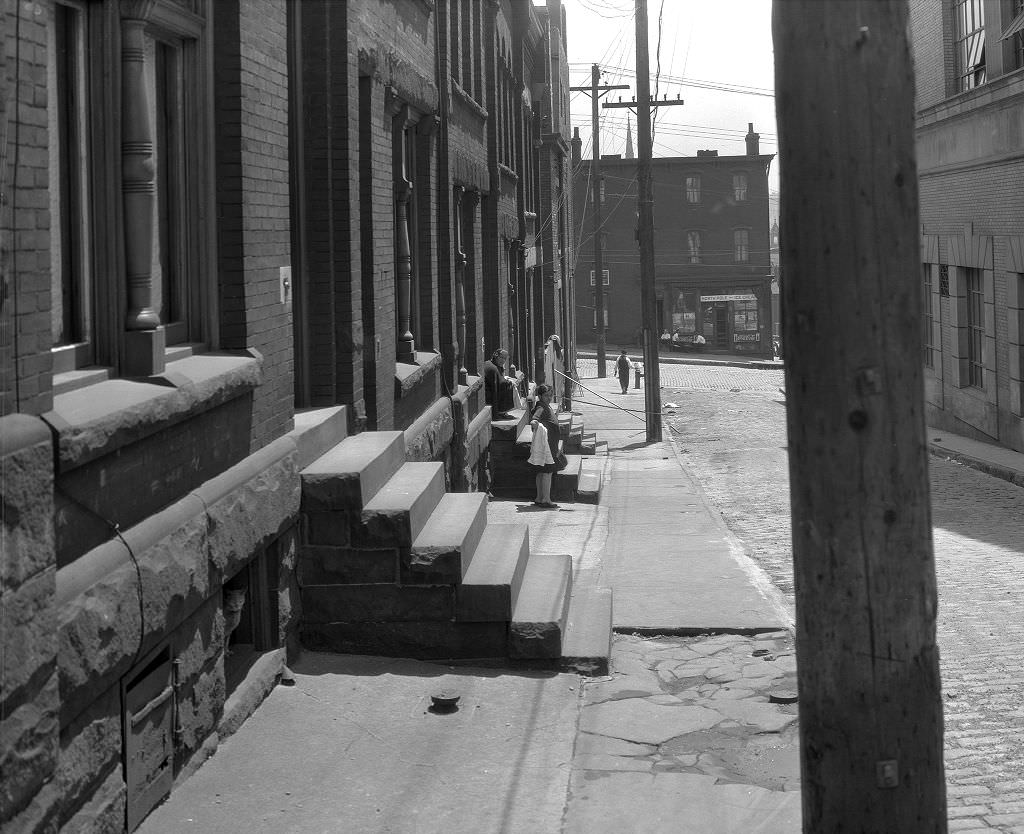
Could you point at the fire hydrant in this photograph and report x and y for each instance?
(637, 374)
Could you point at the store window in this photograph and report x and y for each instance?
(684, 312)
(693, 189)
(745, 324)
(969, 43)
(693, 246)
(741, 245)
(929, 317)
(739, 187)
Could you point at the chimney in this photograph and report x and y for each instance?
(577, 146)
(629, 139)
(752, 140)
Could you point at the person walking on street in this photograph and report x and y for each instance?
(544, 454)
(622, 366)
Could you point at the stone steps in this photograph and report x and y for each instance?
(587, 646)
(392, 564)
(541, 610)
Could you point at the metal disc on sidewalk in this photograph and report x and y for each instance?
(782, 696)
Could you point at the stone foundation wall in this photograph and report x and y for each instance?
(29, 698)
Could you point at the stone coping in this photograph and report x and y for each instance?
(96, 420)
(408, 376)
(20, 431)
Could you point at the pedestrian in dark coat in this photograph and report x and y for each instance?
(623, 366)
(497, 389)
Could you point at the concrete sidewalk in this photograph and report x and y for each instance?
(682, 735)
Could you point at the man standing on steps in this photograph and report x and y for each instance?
(498, 390)
(622, 366)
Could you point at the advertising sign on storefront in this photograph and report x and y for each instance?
(746, 337)
(736, 297)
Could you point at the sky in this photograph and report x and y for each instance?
(722, 43)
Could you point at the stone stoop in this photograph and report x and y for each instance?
(541, 611)
(513, 477)
(391, 564)
(587, 646)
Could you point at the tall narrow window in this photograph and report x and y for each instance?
(1017, 28)
(739, 187)
(164, 65)
(741, 245)
(928, 318)
(693, 189)
(975, 328)
(70, 222)
(693, 244)
(969, 43)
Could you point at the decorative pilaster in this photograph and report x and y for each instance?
(145, 338)
(460, 287)
(406, 345)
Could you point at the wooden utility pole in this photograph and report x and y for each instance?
(596, 89)
(870, 693)
(645, 216)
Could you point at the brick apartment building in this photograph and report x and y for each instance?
(711, 244)
(234, 236)
(969, 68)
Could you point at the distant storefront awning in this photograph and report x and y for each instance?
(1016, 26)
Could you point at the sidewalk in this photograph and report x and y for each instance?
(682, 358)
(681, 736)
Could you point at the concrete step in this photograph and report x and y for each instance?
(540, 612)
(317, 431)
(444, 548)
(400, 509)
(490, 588)
(565, 419)
(348, 475)
(587, 645)
(508, 430)
(591, 478)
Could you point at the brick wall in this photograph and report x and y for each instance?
(25, 330)
(932, 51)
(253, 198)
(329, 98)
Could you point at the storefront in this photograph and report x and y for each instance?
(737, 320)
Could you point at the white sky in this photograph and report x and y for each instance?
(724, 42)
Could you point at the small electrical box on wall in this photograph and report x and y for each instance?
(286, 286)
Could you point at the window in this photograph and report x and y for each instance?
(739, 187)
(969, 43)
(693, 189)
(593, 306)
(693, 245)
(741, 246)
(944, 280)
(606, 280)
(70, 231)
(1017, 28)
(929, 317)
(975, 328)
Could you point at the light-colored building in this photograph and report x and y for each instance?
(969, 68)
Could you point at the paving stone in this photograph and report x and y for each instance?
(766, 717)
(627, 686)
(641, 721)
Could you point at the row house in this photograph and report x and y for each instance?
(712, 265)
(244, 243)
(969, 68)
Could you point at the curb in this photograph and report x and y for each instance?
(758, 364)
(1014, 476)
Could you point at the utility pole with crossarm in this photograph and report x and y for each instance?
(595, 90)
(645, 217)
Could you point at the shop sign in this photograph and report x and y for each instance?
(736, 297)
(746, 337)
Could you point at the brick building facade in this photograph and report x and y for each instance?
(969, 67)
(711, 244)
(232, 233)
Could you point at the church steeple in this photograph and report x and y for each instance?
(629, 139)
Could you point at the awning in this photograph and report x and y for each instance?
(1014, 28)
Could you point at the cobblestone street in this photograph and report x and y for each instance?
(729, 424)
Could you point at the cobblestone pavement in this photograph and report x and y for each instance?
(729, 424)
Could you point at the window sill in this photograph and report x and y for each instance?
(98, 419)
(408, 376)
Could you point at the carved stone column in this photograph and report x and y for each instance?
(406, 344)
(460, 286)
(144, 341)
